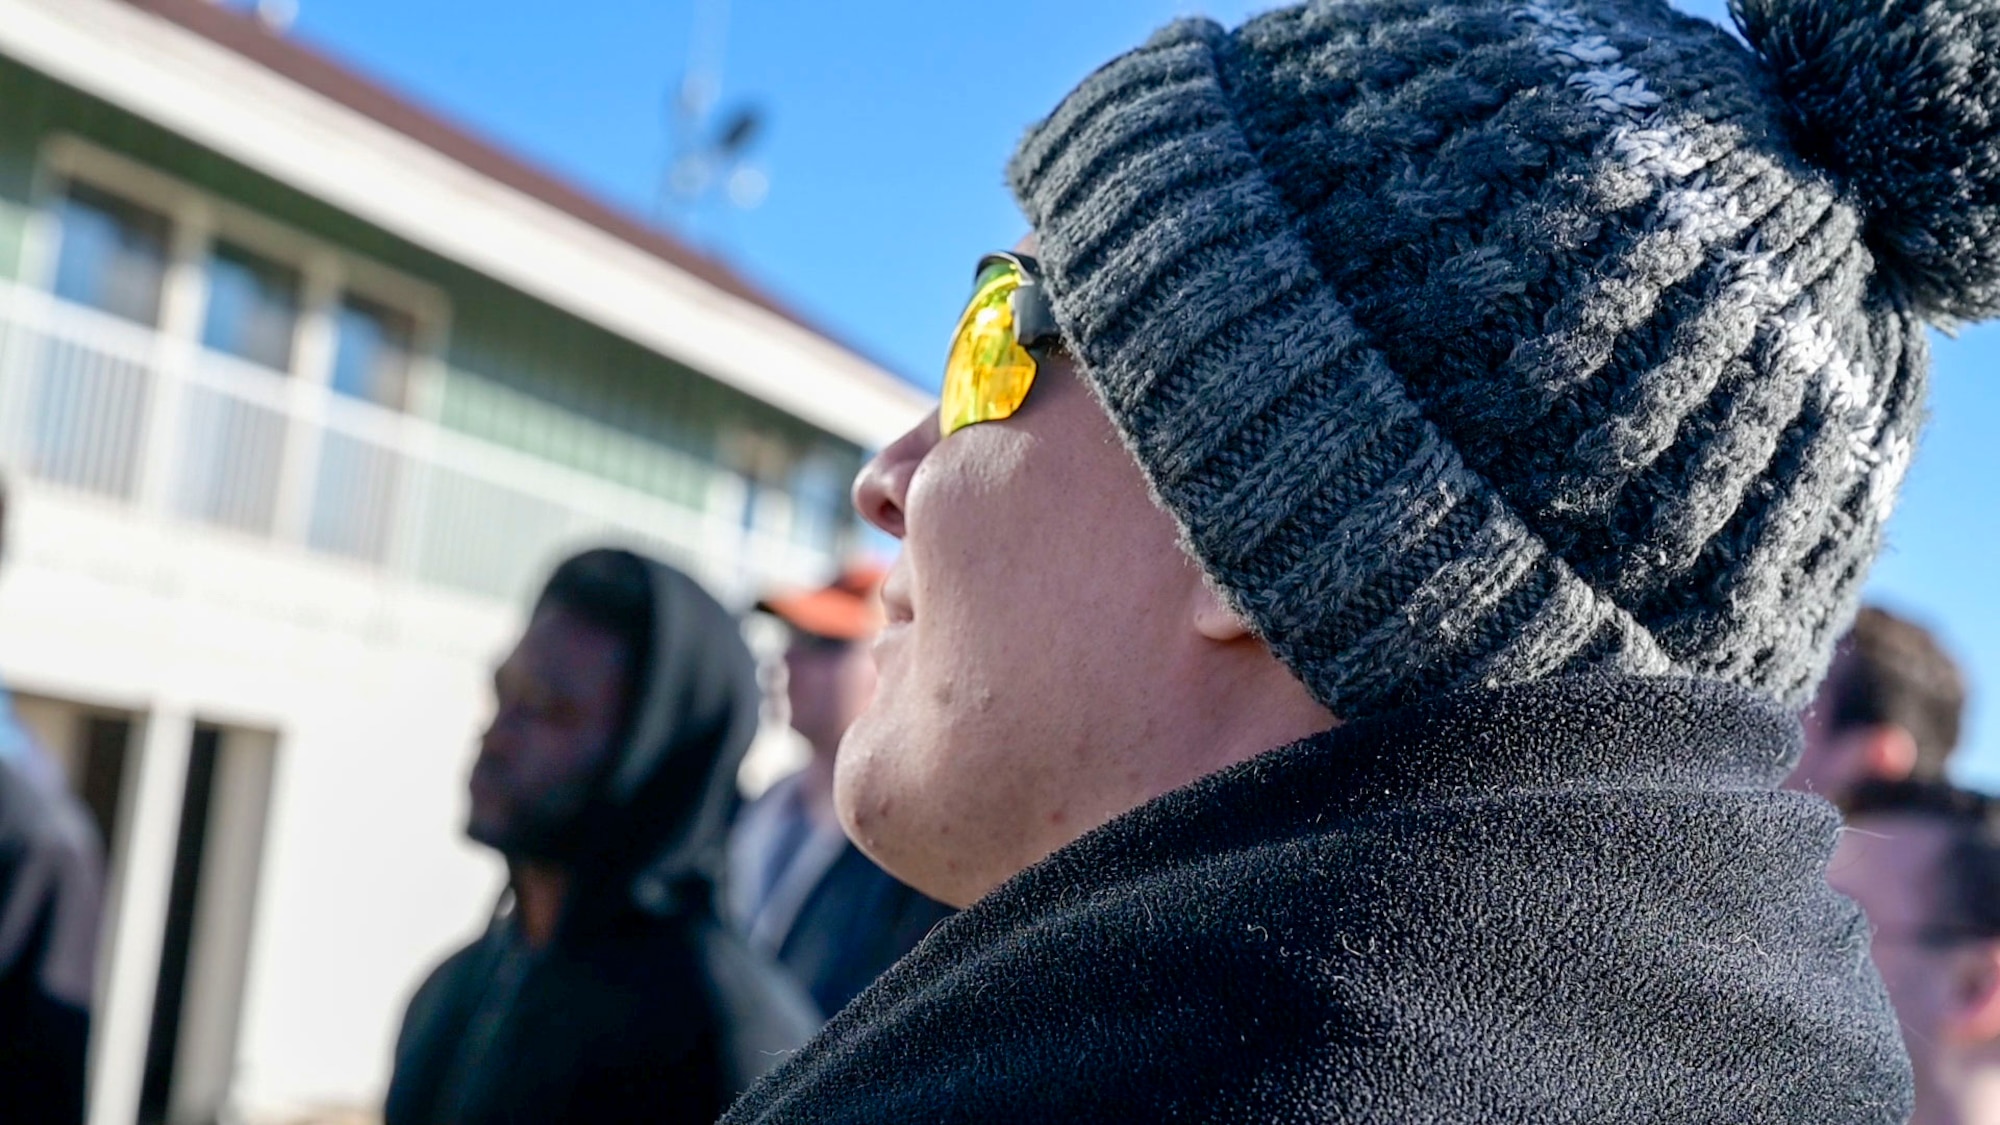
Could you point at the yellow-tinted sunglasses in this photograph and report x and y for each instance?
(1007, 325)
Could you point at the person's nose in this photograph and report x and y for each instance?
(881, 492)
(489, 744)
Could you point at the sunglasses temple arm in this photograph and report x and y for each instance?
(1034, 321)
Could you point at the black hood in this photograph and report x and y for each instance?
(656, 828)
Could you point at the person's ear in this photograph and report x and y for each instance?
(1975, 1014)
(1887, 752)
(1213, 617)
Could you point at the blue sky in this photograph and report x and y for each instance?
(889, 122)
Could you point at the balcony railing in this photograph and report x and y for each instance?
(98, 405)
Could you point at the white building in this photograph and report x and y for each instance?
(301, 391)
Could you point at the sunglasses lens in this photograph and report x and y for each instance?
(988, 373)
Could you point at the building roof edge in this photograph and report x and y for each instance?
(334, 79)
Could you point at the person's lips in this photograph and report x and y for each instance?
(897, 613)
(486, 780)
(896, 599)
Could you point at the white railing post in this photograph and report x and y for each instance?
(17, 374)
(774, 534)
(25, 305)
(182, 303)
(416, 458)
(724, 537)
(311, 379)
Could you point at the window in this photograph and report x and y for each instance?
(354, 501)
(819, 502)
(113, 254)
(253, 306)
(371, 358)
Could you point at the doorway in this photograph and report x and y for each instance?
(211, 908)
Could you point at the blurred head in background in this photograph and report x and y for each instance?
(562, 703)
(829, 674)
(1923, 860)
(1890, 709)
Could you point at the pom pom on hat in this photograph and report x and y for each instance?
(1899, 100)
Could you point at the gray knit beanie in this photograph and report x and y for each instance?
(1481, 340)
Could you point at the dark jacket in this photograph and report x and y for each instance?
(807, 896)
(643, 1007)
(858, 921)
(51, 886)
(1578, 901)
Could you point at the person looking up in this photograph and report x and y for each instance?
(1377, 535)
(605, 988)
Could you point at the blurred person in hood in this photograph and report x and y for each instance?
(801, 890)
(51, 898)
(605, 989)
(1891, 709)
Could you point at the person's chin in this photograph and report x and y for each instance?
(851, 763)
(864, 777)
(884, 811)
